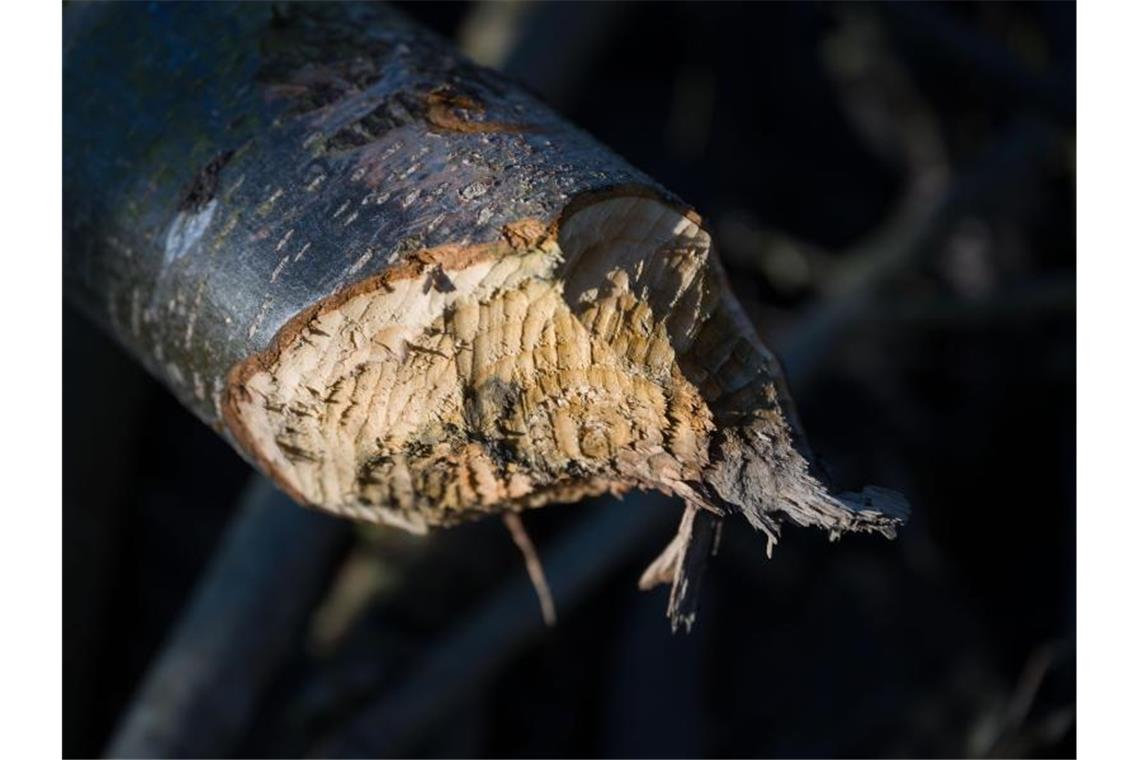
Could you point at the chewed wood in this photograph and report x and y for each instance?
(495, 381)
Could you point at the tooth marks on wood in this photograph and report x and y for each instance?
(549, 396)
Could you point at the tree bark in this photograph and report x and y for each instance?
(407, 290)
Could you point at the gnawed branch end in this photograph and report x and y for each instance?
(408, 291)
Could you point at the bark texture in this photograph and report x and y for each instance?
(407, 290)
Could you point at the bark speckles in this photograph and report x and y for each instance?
(261, 312)
(284, 241)
(277, 269)
(266, 207)
(315, 183)
(360, 262)
(192, 316)
(475, 189)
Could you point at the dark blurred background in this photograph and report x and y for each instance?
(892, 188)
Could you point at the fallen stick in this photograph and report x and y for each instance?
(252, 603)
(406, 290)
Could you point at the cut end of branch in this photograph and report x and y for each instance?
(548, 368)
(603, 354)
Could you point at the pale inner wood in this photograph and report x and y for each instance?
(538, 376)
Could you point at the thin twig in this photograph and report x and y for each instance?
(533, 566)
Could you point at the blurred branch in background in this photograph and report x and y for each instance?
(546, 46)
(251, 605)
(908, 240)
(1029, 80)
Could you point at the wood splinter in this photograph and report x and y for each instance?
(408, 291)
(533, 566)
